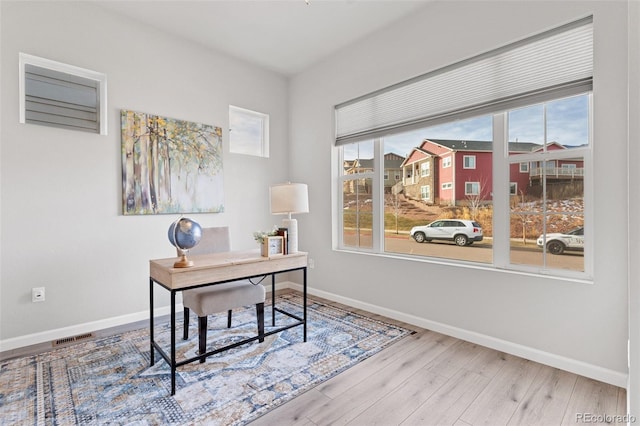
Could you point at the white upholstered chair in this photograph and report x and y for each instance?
(209, 300)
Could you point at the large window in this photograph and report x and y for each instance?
(548, 213)
(512, 172)
(357, 178)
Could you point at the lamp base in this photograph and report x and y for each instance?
(292, 233)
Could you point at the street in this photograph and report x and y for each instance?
(478, 252)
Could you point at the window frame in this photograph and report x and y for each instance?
(425, 169)
(469, 166)
(473, 184)
(427, 191)
(502, 164)
(259, 148)
(549, 157)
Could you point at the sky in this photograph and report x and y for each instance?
(567, 123)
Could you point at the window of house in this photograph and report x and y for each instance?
(248, 132)
(544, 108)
(60, 95)
(425, 169)
(469, 161)
(425, 192)
(472, 188)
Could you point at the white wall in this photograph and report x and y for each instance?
(61, 217)
(576, 326)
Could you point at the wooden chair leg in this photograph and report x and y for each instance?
(229, 319)
(202, 336)
(185, 332)
(260, 315)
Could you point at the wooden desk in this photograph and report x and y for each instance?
(218, 268)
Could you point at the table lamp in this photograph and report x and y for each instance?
(289, 198)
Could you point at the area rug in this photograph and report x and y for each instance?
(109, 380)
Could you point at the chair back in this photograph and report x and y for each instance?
(214, 240)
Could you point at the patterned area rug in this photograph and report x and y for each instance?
(110, 381)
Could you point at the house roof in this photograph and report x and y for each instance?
(393, 164)
(465, 145)
(391, 161)
(421, 152)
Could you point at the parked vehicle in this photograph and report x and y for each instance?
(460, 231)
(558, 243)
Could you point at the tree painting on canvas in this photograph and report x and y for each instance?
(170, 166)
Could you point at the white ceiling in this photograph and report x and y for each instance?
(286, 36)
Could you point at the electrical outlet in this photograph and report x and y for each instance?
(312, 263)
(37, 294)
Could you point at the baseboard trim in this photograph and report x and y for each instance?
(93, 326)
(595, 372)
(591, 371)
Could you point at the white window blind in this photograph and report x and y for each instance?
(60, 95)
(61, 100)
(549, 65)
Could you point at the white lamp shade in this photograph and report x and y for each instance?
(287, 198)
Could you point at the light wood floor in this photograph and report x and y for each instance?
(432, 379)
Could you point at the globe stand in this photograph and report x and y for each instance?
(183, 262)
(184, 234)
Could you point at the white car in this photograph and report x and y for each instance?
(557, 243)
(460, 231)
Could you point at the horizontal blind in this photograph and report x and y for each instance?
(552, 64)
(59, 99)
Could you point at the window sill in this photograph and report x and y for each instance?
(575, 277)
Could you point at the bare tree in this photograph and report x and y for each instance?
(474, 201)
(393, 202)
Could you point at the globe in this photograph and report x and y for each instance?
(184, 234)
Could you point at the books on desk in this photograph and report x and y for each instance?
(284, 232)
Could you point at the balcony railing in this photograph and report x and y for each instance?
(557, 172)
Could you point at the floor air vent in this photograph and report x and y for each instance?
(73, 339)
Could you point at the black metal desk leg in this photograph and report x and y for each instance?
(151, 350)
(304, 303)
(273, 300)
(173, 342)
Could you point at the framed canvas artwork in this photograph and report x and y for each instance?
(170, 165)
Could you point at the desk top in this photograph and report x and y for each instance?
(215, 267)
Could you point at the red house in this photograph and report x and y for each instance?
(456, 172)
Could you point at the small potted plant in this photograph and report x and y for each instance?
(261, 238)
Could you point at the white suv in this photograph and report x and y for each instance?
(557, 243)
(460, 231)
